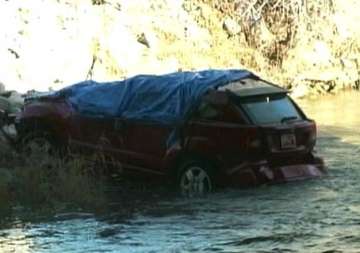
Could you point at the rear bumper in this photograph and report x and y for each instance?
(292, 173)
(252, 174)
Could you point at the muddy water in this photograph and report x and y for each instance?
(313, 216)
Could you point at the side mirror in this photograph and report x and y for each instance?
(215, 97)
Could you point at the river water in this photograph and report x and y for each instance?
(310, 216)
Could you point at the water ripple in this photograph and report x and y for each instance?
(320, 216)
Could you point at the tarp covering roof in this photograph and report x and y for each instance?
(253, 87)
(158, 98)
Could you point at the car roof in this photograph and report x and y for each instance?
(164, 99)
(253, 87)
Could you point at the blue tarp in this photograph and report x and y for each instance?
(158, 98)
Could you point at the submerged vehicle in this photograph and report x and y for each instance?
(199, 130)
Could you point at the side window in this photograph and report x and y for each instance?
(223, 113)
(207, 111)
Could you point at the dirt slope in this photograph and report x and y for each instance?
(50, 44)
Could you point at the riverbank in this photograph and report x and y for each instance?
(311, 47)
(47, 183)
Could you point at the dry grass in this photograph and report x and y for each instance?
(57, 182)
(291, 42)
(46, 182)
(311, 42)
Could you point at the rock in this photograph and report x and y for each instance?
(141, 38)
(16, 102)
(231, 27)
(12, 102)
(98, 2)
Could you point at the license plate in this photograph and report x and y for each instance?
(288, 141)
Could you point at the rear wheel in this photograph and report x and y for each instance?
(195, 179)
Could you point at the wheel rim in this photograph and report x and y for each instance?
(195, 181)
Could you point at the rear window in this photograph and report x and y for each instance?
(270, 109)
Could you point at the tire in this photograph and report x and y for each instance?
(38, 143)
(195, 179)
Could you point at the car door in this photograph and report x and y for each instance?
(145, 146)
(95, 136)
(219, 132)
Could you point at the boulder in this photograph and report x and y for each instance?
(141, 38)
(11, 102)
(231, 27)
(16, 102)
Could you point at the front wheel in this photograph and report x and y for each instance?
(195, 179)
(37, 143)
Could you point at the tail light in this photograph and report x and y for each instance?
(312, 134)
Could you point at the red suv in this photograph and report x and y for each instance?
(198, 129)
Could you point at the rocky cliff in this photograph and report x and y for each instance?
(308, 46)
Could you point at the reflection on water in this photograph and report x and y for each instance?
(313, 216)
(337, 111)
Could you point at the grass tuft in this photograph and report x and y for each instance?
(47, 182)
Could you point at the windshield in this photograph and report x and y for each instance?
(270, 109)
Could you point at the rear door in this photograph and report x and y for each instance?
(145, 144)
(220, 131)
(95, 137)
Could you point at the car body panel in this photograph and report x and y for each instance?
(217, 130)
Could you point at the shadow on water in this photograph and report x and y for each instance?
(310, 216)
